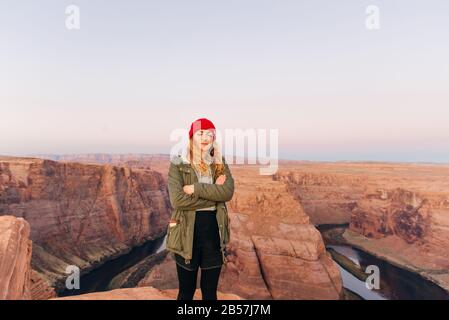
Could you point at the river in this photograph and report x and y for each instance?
(99, 278)
(395, 283)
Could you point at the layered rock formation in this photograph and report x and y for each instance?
(270, 231)
(274, 245)
(82, 214)
(274, 253)
(399, 212)
(40, 288)
(15, 257)
(157, 162)
(279, 260)
(18, 281)
(327, 192)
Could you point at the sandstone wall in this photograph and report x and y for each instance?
(15, 257)
(274, 253)
(397, 211)
(82, 214)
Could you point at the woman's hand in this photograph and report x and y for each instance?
(221, 179)
(188, 189)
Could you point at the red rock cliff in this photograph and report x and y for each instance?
(397, 211)
(274, 253)
(82, 214)
(15, 257)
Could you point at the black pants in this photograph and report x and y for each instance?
(206, 255)
(206, 243)
(187, 283)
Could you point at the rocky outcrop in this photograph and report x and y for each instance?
(270, 230)
(274, 253)
(377, 199)
(157, 162)
(82, 214)
(18, 281)
(148, 273)
(273, 245)
(290, 263)
(40, 289)
(15, 257)
(280, 261)
(327, 197)
(408, 228)
(397, 211)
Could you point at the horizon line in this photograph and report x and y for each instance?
(46, 155)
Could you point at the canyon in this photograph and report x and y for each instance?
(398, 212)
(16, 281)
(274, 252)
(87, 209)
(81, 214)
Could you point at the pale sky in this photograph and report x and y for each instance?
(137, 70)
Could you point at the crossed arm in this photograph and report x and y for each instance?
(216, 192)
(204, 195)
(178, 198)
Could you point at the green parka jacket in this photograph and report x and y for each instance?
(180, 237)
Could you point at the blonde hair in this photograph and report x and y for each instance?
(214, 158)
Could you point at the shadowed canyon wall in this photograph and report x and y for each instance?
(82, 214)
(274, 252)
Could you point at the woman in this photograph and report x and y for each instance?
(199, 184)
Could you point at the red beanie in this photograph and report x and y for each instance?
(200, 124)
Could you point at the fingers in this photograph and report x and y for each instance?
(221, 179)
(188, 189)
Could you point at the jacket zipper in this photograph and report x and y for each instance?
(187, 261)
(187, 172)
(221, 246)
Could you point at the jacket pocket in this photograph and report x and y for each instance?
(174, 236)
